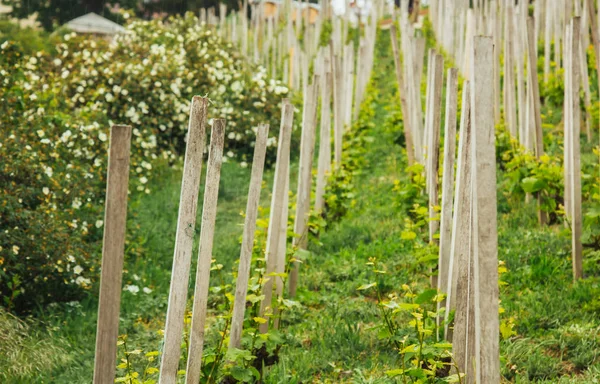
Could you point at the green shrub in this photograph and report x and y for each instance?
(56, 110)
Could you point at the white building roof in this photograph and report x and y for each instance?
(93, 23)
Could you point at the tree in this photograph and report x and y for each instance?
(52, 13)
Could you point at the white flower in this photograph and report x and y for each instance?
(236, 86)
(71, 258)
(102, 136)
(219, 64)
(109, 97)
(33, 96)
(82, 281)
(136, 277)
(99, 223)
(243, 164)
(77, 270)
(65, 136)
(65, 74)
(147, 290)
(175, 89)
(76, 203)
(132, 288)
(45, 190)
(143, 180)
(15, 249)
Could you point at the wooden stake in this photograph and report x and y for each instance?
(485, 235)
(324, 165)
(448, 182)
(460, 267)
(307, 147)
(113, 249)
(184, 240)
(207, 231)
(241, 285)
(402, 92)
(575, 151)
(277, 206)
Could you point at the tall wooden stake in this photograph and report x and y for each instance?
(184, 240)
(448, 181)
(113, 248)
(241, 285)
(277, 206)
(485, 234)
(207, 231)
(307, 147)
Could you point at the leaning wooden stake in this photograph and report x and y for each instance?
(277, 207)
(485, 234)
(113, 248)
(241, 285)
(184, 240)
(461, 284)
(448, 181)
(307, 147)
(434, 116)
(207, 231)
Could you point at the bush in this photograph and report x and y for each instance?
(58, 109)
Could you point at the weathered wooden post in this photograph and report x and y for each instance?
(184, 240)
(113, 249)
(307, 147)
(461, 284)
(324, 165)
(484, 228)
(207, 231)
(277, 207)
(241, 285)
(572, 142)
(402, 92)
(434, 115)
(448, 181)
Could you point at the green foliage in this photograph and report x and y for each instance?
(28, 40)
(526, 174)
(60, 107)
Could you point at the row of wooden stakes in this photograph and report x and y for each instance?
(340, 90)
(468, 262)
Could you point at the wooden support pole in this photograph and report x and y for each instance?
(402, 92)
(484, 228)
(307, 147)
(207, 231)
(338, 102)
(324, 165)
(448, 181)
(574, 115)
(184, 240)
(241, 285)
(277, 207)
(113, 249)
(510, 109)
(434, 116)
(461, 284)
(535, 88)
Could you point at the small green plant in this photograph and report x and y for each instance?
(410, 322)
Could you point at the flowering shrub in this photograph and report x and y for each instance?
(55, 113)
